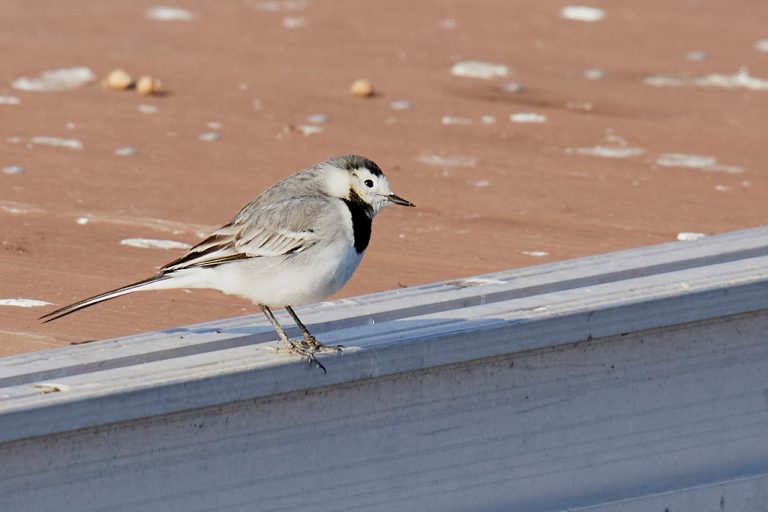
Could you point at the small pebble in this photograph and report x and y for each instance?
(209, 136)
(126, 151)
(148, 86)
(362, 88)
(401, 105)
(119, 80)
(13, 169)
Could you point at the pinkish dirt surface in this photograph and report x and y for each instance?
(616, 162)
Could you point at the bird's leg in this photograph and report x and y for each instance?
(308, 338)
(302, 349)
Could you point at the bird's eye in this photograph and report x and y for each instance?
(368, 183)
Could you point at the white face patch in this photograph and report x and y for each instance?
(337, 182)
(374, 195)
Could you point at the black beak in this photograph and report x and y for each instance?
(399, 200)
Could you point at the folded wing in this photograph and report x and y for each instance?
(283, 228)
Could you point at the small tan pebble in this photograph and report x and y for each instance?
(148, 86)
(119, 79)
(362, 88)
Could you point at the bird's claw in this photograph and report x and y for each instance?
(308, 348)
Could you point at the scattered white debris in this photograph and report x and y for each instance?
(309, 129)
(70, 126)
(583, 106)
(24, 303)
(209, 136)
(607, 151)
(9, 100)
(448, 23)
(163, 13)
(528, 117)
(582, 13)
(455, 120)
(318, 118)
(722, 188)
(17, 208)
(705, 163)
(742, 80)
(126, 151)
(481, 183)
(513, 87)
(488, 119)
(64, 79)
(536, 254)
(82, 220)
(57, 142)
(401, 105)
(149, 243)
(478, 69)
(687, 236)
(762, 45)
(294, 22)
(214, 125)
(696, 56)
(447, 161)
(475, 281)
(594, 74)
(146, 108)
(12, 169)
(664, 81)
(285, 5)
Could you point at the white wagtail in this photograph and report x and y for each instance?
(296, 243)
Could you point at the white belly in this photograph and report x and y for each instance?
(277, 281)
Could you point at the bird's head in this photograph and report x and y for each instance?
(358, 179)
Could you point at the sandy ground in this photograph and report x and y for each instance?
(616, 163)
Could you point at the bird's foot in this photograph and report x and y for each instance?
(307, 348)
(311, 341)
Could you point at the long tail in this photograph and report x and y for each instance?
(53, 315)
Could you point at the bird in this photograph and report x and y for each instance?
(296, 243)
